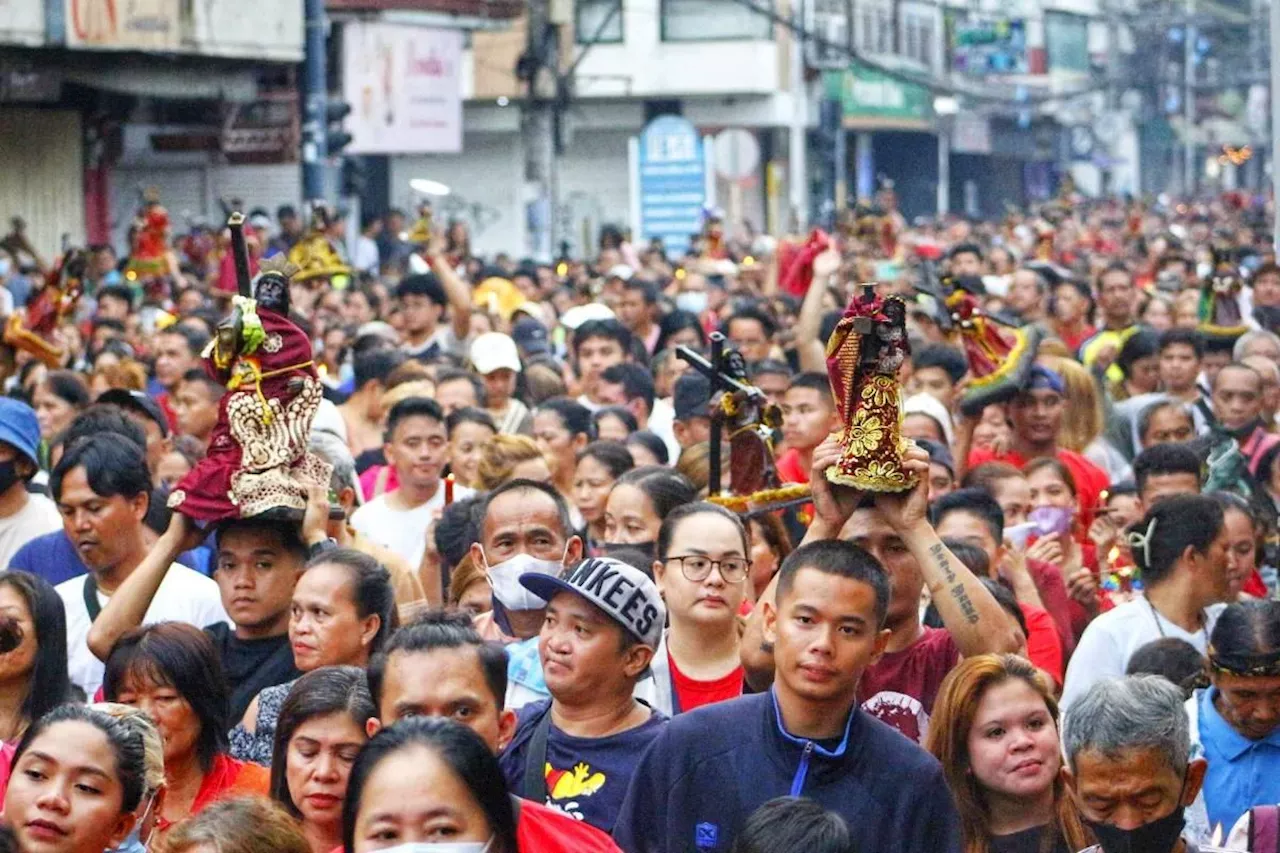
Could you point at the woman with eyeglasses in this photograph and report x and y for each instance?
(702, 570)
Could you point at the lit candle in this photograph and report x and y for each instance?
(448, 490)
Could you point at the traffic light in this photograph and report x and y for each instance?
(336, 138)
(355, 177)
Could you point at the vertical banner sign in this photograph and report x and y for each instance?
(672, 183)
(404, 85)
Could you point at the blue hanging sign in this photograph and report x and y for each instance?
(672, 183)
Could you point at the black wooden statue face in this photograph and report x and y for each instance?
(272, 293)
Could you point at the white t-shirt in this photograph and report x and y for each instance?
(1111, 639)
(183, 596)
(402, 531)
(662, 424)
(38, 517)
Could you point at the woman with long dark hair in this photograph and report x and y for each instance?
(78, 776)
(321, 728)
(33, 674)
(995, 730)
(172, 671)
(599, 467)
(342, 613)
(427, 765)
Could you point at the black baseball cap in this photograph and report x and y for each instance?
(136, 401)
(530, 336)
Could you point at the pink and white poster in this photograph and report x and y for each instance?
(404, 85)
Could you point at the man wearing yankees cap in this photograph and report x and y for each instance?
(576, 751)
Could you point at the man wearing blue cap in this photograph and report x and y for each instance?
(23, 516)
(577, 750)
(1036, 414)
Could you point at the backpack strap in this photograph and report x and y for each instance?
(534, 784)
(1264, 829)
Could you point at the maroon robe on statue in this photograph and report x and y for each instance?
(257, 458)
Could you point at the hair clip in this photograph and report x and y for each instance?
(1143, 541)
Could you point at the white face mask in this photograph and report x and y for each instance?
(505, 580)
(693, 301)
(441, 847)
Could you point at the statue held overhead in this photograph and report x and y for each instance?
(864, 353)
(258, 462)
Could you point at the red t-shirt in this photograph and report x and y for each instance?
(542, 829)
(1044, 647)
(1090, 479)
(789, 468)
(691, 693)
(1057, 603)
(899, 689)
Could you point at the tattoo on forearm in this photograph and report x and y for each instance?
(966, 604)
(939, 554)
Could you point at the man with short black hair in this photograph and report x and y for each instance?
(636, 310)
(808, 416)
(690, 400)
(630, 386)
(1029, 295)
(362, 412)
(576, 750)
(1181, 355)
(417, 448)
(438, 666)
(935, 370)
(177, 350)
(708, 770)
(423, 299)
(458, 389)
(115, 302)
(1237, 404)
(146, 413)
(597, 346)
(750, 331)
(103, 490)
(965, 260)
(196, 405)
(1167, 469)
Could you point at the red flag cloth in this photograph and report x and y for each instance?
(795, 262)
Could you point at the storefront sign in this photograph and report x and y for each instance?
(404, 85)
(868, 97)
(123, 24)
(672, 182)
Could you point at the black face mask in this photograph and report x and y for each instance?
(8, 474)
(1158, 836)
(648, 549)
(1268, 316)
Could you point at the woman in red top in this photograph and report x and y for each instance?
(171, 671)
(702, 568)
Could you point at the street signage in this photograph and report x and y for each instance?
(671, 182)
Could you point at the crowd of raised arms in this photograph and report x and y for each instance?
(518, 621)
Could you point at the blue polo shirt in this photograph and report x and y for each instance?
(54, 558)
(1242, 773)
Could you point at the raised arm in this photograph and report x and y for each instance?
(975, 619)
(808, 329)
(128, 605)
(455, 289)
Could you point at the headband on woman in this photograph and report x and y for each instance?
(1248, 663)
(1142, 541)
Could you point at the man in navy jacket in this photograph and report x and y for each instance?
(701, 778)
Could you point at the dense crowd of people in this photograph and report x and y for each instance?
(521, 617)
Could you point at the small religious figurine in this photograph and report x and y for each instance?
(864, 353)
(54, 302)
(318, 255)
(714, 246)
(258, 463)
(1000, 356)
(1221, 315)
(149, 244)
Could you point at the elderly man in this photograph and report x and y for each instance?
(1128, 745)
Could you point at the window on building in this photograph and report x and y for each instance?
(1067, 41)
(602, 17)
(926, 41)
(714, 20)
(884, 32)
(911, 47)
(868, 31)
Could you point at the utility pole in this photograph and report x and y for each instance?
(1189, 101)
(539, 68)
(798, 175)
(1275, 115)
(315, 105)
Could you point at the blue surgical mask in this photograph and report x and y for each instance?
(693, 301)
